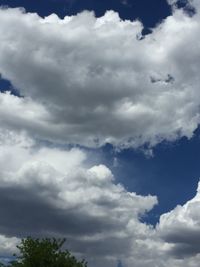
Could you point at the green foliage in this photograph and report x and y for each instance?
(45, 253)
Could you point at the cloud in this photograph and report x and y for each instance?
(125, 3)
(46, 191)
(188, 6)
(86, 80)
(7, 245)
(91, 81)
(51, 191)
(181, 227)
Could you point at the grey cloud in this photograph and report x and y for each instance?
(184, 250)
(24, 212)
(186, 242)
(181, 228)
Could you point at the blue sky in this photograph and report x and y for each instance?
(87, 99)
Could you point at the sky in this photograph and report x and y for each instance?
(99, 129)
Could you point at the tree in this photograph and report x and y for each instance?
(44, 253)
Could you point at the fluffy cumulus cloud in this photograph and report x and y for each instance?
(52, 192)
(86, 80)
(90, 80)
(181, 227)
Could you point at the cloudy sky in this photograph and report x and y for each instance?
(99, 128)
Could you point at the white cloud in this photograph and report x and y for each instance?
(89, 80)
(51, 192)
(48, 191)
(8, 245)
(42, 194)
(181, 228)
